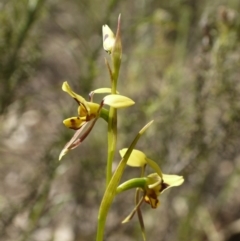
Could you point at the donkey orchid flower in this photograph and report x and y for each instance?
(151, 186)
(88, 113)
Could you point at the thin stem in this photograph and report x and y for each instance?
(112, 122)
(112, 128)
(112, 141)
(139, 214)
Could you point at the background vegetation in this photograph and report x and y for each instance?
(181, 64)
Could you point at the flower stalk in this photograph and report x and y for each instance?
(147, 187)
(116, 55)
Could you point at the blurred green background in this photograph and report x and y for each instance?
(181, 65)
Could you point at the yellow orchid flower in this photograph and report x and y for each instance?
(151, 186)
(88, 113)
(157, 182)
(156, 186)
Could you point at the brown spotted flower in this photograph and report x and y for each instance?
(148, 188)
(88, 113)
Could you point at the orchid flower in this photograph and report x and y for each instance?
(88, 113)
(150, 186)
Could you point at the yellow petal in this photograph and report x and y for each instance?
(154, 202)
(136, 159)
(82, 111)
(78, 98)
(151, 197)
(154, 180)
(154, 166)
(118, 101)
(103, 91)
(74, 122)
(93, 108)
(172, 180)
(106, 31)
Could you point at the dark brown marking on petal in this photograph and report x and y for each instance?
(105, 37)
(163, 186)
(85, 108)
(77, 101)
(90, 117)
(152, 195)
(152, 201)
(74, 128)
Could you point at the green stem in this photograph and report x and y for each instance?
(112, 141)
(112, 123)
(112, 129)
(104, 114)
(112, 180)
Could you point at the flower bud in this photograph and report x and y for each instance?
(108, 38)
